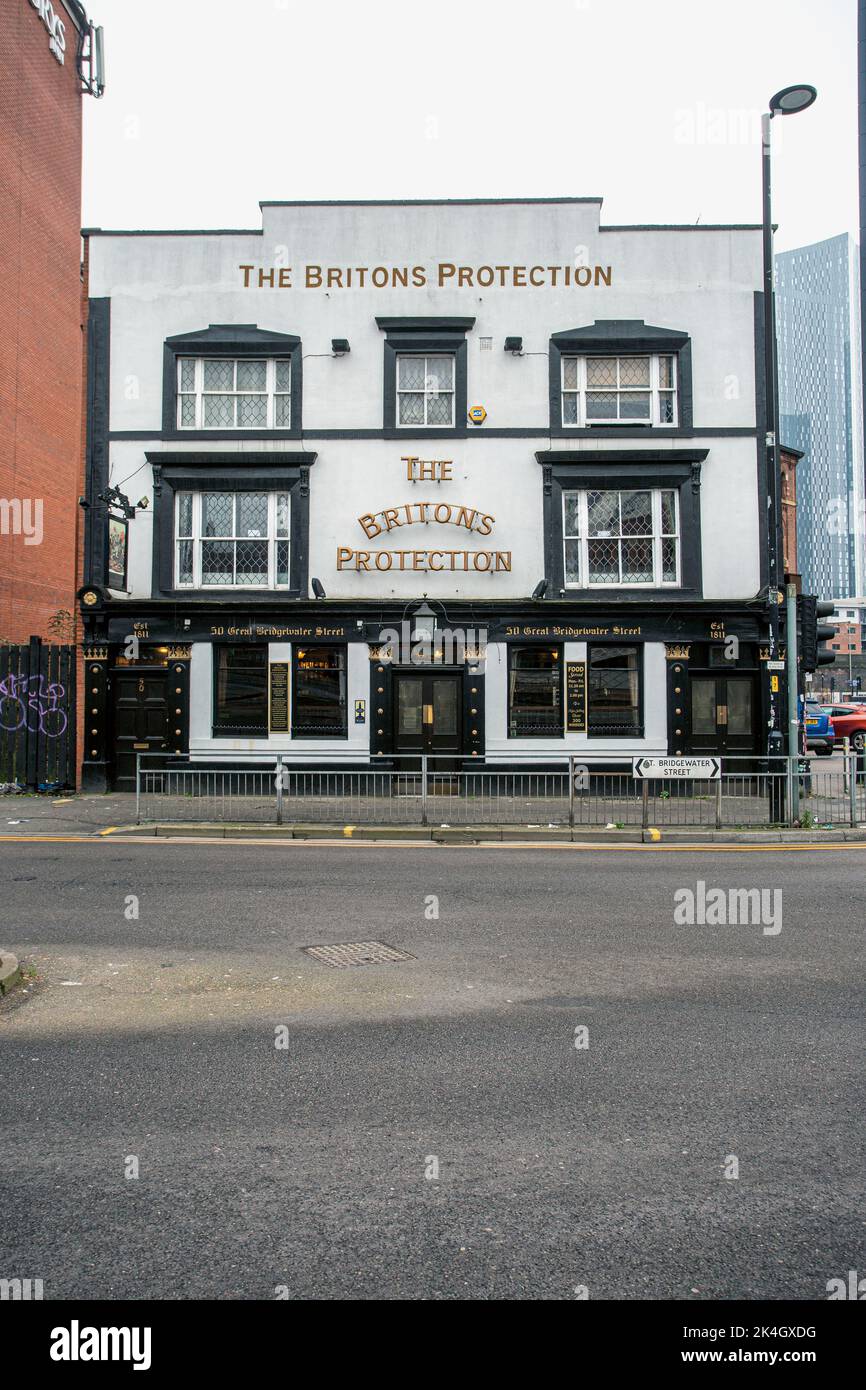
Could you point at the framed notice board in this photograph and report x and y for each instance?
(575, 697)
(278, 697)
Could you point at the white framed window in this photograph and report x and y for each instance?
(619, 539)
(628, 390)
(425, 390)
(228, 540)
(226, 393)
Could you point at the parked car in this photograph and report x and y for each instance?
(820, 730)
(849, 721)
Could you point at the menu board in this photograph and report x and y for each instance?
(575, 697)
(278, 697)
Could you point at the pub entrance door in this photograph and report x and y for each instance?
(427, 714)
(140, 720)
(725, 715)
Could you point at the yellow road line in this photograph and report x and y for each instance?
(584, 847)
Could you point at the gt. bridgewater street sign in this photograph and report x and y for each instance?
(707, 769)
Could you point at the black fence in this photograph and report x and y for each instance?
(37, 715)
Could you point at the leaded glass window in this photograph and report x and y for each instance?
(425, 391)
(621, 538)
(232, 540)
(632, 390)
(223, 393)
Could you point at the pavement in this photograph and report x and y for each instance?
(29, 816)
(203, 1110)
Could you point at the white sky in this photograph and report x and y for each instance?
(653, 104)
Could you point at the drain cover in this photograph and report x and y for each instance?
(357, 953)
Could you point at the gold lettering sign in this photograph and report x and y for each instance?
(424, 561)
(413, 513)
(443, 275)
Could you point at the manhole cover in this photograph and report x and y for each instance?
(357, 953)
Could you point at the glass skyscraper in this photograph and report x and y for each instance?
(818, 318)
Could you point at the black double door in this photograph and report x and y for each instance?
(428, 716)
(725, 714)
(141, 720)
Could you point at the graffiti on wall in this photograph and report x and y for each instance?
(29, 702)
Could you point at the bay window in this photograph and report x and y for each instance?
(620, 538)
(232, 540)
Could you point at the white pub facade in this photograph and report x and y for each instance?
(481, 479)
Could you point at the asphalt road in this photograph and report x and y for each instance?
(310, 1167)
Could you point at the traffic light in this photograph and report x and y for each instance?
(812, 634)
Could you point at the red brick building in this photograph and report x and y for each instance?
(847, 639)
(49, 57)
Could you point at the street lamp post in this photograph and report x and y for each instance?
(787, 102)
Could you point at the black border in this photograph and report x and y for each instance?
(230, 340)
(609, 468)
(233, 472)
(621, 336)
(98, 399)
(443, 335)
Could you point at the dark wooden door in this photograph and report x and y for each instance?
(427, 711)
(724, 715)
(140, 721)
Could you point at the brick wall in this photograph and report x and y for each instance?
(40, 312)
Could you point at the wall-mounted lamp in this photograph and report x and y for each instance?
(514, 345)
(143, 504)
(340, 346)
(319, 589)
(540, 589)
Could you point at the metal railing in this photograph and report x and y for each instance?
(749, 793)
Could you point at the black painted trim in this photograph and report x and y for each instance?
(97, 437)
(425, 325)
(422, 335)
(763, 475)
(680, 469)
(621, 336)
(230, 340)
(238, 473)
(521, 432)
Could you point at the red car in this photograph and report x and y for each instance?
(849, 721)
